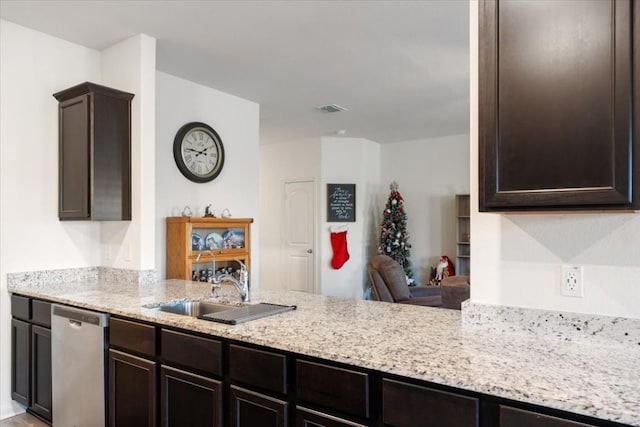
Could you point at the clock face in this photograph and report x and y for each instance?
(198, 152)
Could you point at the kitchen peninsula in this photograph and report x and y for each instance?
(395, 353)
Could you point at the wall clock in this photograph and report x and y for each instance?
(198, 152)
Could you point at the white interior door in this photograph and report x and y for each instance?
(299, 236)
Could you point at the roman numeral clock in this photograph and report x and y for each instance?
(198, 152)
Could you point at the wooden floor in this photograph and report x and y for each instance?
(22, 420)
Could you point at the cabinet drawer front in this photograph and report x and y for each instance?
(335, 388)
(41, 312)
(20, 307)
(132, 336)
(194, 353)
(258, 368)
(410, 405)
(512, 417)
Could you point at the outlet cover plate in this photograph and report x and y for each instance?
(572, 281)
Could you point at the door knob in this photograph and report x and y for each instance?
(309, 251)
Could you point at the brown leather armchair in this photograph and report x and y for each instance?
(389, 284)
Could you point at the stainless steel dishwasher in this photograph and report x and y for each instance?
(78, 366)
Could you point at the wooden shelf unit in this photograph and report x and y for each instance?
(182, 255)
(463, 235)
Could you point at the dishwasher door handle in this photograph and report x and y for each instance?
(75, 324)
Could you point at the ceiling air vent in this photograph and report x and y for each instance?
(331, 108)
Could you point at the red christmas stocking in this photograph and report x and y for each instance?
(340, 252)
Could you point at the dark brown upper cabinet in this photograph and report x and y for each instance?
(557, 94)
(94, 153)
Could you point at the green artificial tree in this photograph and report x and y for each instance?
(394, 238)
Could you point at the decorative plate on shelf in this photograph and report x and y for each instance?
(234, 239)
(197, 244)
(213, 241)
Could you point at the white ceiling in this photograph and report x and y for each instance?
(400, 67)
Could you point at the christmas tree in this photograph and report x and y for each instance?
(394, 238)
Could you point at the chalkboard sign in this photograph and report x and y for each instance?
(341, 203)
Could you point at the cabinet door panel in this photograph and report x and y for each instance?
(189, 400)
(41, 371)
(308, 418)
(556, 121)
(251, 409)
(512, 417)
(132, 391)
(74, 158)
(406, 405)
(20, 357)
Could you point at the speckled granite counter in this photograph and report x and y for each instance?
(424, 343)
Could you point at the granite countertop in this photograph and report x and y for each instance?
(424, 343)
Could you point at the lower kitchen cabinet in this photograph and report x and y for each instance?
(41, 398)
(132, 390)
(31, 355)
(513, 417)
(189, 400)
(308, 418)
(20, 357)
(175, 378)
(250, 409)
(408, 405)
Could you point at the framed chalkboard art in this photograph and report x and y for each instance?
(341, 203)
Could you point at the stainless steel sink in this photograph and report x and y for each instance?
(223, 313)
(194, 308)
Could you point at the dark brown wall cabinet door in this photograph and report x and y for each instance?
(189, 400)
(132, 391)
(249, 409)
(20, 361)
(94, 153)
(511, 417)
(406, 405)
(41, 371)
(557, 129)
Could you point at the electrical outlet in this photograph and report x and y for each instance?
(572, 281)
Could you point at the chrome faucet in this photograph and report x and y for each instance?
(241, 284)
(214, 280)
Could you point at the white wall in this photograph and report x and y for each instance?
(516, 258)
(430, 173)
(32, 67)
(131, 66)
(236, 120)
(349, 161)
(287, 161)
